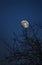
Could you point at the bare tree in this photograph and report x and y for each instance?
(29, 56)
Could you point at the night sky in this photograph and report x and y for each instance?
(13, 11)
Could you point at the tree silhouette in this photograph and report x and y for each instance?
(31, 50)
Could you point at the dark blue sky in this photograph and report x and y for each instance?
(13, 11)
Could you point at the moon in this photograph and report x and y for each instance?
(24, 23)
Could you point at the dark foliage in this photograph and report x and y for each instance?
(29, 56)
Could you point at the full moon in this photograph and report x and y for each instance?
(24, 23)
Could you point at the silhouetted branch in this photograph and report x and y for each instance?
(7, 45)
(19, 41)
(37, 43)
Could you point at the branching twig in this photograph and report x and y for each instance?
(7, 45)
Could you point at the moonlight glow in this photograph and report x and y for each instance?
(24, 23)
